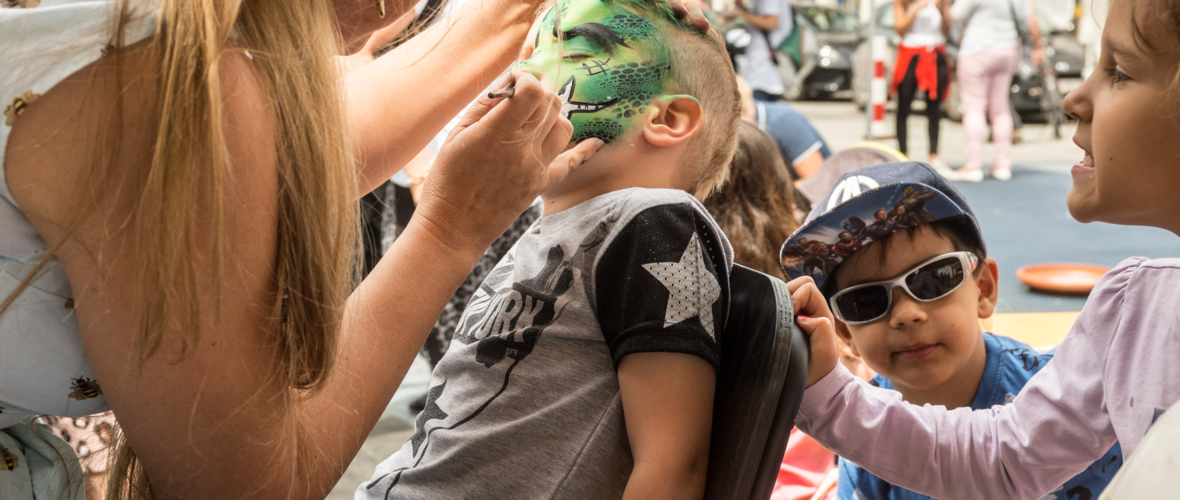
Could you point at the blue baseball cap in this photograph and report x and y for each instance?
(869, 204)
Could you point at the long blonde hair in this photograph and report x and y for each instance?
(291, 45)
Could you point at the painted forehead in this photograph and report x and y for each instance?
(603, 25)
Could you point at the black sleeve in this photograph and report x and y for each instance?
(663, 286)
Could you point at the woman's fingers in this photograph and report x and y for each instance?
(559, 133)
(544, 120)
(566, 162)
(690, 11)
(511, 114)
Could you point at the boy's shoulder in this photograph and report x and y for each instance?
(650, 216)
(1010, 364)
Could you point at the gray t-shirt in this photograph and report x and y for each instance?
(756, 65)
(525, 403)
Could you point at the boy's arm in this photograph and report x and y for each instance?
(668, 405)
(661, 295)
(1057, 426)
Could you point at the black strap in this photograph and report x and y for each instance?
(770, 46)
(1025, 37)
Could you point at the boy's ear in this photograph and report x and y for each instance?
(988, 280)
(846, 335)
(676, 119)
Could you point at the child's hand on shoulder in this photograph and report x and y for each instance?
(814, 317)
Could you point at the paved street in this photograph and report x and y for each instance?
(1024, 220)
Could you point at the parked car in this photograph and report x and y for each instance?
(1062, 48)
(824, 65)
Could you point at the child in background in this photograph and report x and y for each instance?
(755, 207)
(1115, 373)
(908, 301)
(612, 303)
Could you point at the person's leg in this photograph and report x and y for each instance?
(905, 96)
(973, 87)
(934, 108)
(999, 112)
(760, 95)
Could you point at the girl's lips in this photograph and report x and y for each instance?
(1086, 166)
(918, 352)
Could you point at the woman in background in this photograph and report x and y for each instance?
(921, 65)
(992, 33)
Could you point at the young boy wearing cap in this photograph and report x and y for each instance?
(907, 291)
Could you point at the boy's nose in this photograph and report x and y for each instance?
(905, 311)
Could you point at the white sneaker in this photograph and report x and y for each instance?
(941, 167)
(1002, 174)
(969, 175)
(965, 175)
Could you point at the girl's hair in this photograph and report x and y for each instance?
(755, 206)
(291, 45)
(1166, 12)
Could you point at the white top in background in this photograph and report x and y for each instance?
(926, 31)
(987, 24)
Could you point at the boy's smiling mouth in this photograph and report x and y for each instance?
(917, 351)
(569, 106)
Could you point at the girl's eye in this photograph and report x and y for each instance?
(1116, 76)
(576, 57)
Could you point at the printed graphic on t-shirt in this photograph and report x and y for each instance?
(525, 403)
(504, 326)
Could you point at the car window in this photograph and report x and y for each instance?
(831, 20)
(885, 16)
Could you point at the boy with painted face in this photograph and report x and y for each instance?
(612, 303)
(908, 303)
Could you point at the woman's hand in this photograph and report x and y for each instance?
(813, 316)
(500, 157)
(691, 11)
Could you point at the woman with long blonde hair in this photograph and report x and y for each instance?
(178, 236)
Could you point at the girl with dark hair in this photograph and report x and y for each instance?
(756, 206)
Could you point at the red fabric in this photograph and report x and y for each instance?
(926, 71)
(805, 464)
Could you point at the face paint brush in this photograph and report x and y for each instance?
(505, 92)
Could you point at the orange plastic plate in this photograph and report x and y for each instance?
(1063, 278)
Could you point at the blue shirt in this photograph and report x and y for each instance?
(1008, 367)
(792, 133)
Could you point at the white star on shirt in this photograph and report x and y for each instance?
(692, 289)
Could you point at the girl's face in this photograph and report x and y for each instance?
(603, 63)
(1130, 173)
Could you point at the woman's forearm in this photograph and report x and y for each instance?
(385, 323)
(398, 103)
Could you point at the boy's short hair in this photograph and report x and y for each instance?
(701, 67)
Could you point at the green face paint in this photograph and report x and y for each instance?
(605, 63)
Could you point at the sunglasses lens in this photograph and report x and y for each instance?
(863, 304)
(935, 279)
